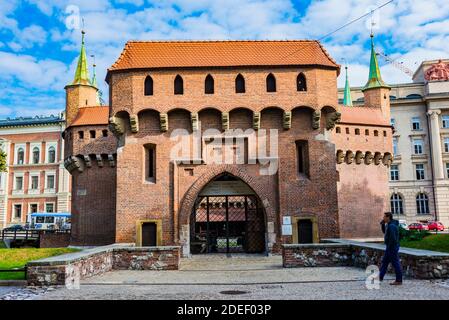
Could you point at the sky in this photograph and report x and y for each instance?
(40, 40)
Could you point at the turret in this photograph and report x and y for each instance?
(376, 92)
(81, 92)
(347, 101)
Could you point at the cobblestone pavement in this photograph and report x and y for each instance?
(256, 277)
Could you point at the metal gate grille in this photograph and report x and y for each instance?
(227, 224)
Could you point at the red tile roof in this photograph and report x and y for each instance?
(98, 115)
(363, 115)
(188, 54)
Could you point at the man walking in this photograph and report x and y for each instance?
(390, 228)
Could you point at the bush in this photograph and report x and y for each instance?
(412, 235)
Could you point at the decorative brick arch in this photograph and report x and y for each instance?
(191, 195)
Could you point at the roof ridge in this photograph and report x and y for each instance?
(219, 40)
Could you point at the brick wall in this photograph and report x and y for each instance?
(54, 240)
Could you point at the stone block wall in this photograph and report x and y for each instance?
(146, 259)
(68, 269)
(419, 264)
(316, 255)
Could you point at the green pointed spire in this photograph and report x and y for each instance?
(82, 70)
(347, 101)
(375, 79)
(94, 78)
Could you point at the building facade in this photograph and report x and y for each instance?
(419, 175)
(35, 180)
(208, 145)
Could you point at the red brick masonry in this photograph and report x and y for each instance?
(64, 269)
(54, 240)
(420, 264)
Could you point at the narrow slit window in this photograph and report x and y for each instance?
(240, 84)
(148, 86)
(209, 85)
(302, 157)
(150, 167)
(179, 85)
(271, 83)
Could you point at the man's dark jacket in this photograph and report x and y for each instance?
(391, 231)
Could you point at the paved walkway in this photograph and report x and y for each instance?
(248, 277)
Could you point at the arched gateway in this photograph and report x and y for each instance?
(227, 217)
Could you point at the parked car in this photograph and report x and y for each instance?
(435, 226)
(418, 226)
(403, 224)
(15, 227)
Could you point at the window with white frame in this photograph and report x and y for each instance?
(418, 146)
(394, 172)
(419, 168)
(34, 183)
(36, 155)
(20, 155)
(446, 144)
(395, 146)
(422, 203)
(51, 154)
(447, 170)
(49, 207)
(445, 120)
(33, 207)
(416, 123)
(18, 183)
(397, 204)
(17, 211)
(50, 151)
(50, 183)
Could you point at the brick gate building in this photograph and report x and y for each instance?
(225, 146)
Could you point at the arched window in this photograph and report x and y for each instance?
(20, 156)
(239, 84)
(51, 154)
(209, 85)
(148, 86)
(271, 83)
(397, 206)
(35, 155)
(179, 85)
(301, 84)
(422, 203)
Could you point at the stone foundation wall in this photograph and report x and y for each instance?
(419, 264)
(69, 268)
(315, 255)
(146, 259)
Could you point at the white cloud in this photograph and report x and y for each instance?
(408, 30)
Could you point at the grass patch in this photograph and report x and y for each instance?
(18, 258)
(434, 242)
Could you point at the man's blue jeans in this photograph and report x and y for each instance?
(391, 256)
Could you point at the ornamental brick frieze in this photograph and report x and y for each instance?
(117, 125)
(332, 119)
(80, 163)
(256, 120)
(366, 158)
(134, 123)
(316, 118)
(287, 120)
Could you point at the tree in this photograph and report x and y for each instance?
(2, 161)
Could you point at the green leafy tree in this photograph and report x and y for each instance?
(2, 161)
